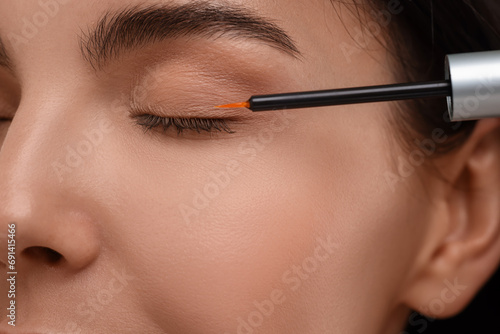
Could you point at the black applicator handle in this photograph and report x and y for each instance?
(350, 95)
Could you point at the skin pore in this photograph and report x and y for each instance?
(287, 225)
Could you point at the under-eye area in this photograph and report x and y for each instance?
(131, 201)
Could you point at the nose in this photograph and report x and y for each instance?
(45, 238)
(53, 219)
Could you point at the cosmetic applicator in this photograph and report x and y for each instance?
(471, 86)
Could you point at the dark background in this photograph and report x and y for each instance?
(481, 316)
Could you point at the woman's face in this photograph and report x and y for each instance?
(287, 225)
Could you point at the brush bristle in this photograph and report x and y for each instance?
(235, 105)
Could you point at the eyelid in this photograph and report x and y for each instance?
(149, 119)
(192, 109)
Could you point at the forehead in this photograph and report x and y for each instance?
(32, 31)
(32, 19)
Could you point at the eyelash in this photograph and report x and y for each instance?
(181, 124)
(150, 122)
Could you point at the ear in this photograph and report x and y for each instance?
(461, 248)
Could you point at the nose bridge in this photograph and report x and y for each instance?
(34, 144)
(39, 191)
(30, 144)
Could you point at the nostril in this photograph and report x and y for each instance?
(44, 254)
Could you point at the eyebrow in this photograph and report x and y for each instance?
(131, 28)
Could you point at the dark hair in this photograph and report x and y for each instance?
(435, 29)
(420, 34)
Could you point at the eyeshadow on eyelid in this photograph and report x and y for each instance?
(236, 117)
(206, 111)
(217, 74)
(195, 94)
(180, 103)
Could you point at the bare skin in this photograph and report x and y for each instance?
(287, 225)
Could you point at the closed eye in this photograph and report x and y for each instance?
(150, 121)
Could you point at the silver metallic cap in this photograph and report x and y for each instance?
(475, 83)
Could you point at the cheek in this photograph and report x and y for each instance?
(307, 214)
(378, 230)
(210, 232)
(216, 230)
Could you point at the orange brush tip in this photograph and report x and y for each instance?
(235, 105)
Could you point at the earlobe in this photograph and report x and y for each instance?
(462, 248)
